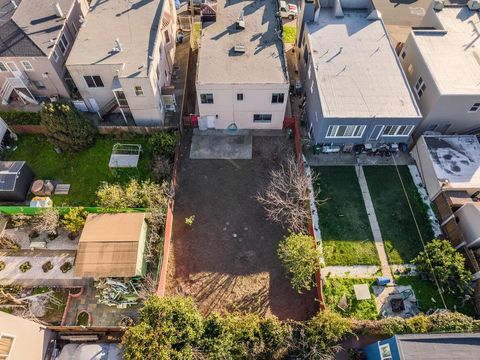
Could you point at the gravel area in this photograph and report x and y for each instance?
(35, 276)
(62, 242)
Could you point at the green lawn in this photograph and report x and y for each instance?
(399, 232)
(346, 234)
(335, 288)
(289, 34)
(429, 298)
(84, 171)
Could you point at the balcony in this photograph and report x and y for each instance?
(18, 84)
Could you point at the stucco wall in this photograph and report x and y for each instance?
(257, 99)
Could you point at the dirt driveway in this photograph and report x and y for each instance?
(227, 260)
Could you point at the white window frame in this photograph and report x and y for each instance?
(28, 67)
(9, 67)
(420, 87)
(63, 39)
(138, 90)
(55, 55)
(475, 107)
(386, 357)
(356, 131)
(5, 68)
(396, 130)
(13, 337)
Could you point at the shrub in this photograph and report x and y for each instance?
(25, 266)
(47, 266)
(7, 243)
(2, 265)
(33, 234)
(135, 194)
(417, 324)
(66, 127)
(74, 220)
(164, 143)
(14, 117)
(446, 321)
(66, 267)
(161, 168)
(448, 265)
(83, 319)
(301, 260)
(20, 220)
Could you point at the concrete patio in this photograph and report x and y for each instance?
(221, 147)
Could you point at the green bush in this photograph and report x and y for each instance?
(47, 266)
(14, 117)
(74, 220)
(164, 143)
(67, 266)
(66, 127)
(25, 266)
(446, 321)
(301, 260)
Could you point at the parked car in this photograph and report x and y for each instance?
(287, 10)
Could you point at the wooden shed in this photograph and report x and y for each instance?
(112, 245)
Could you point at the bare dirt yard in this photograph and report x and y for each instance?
(227, 259)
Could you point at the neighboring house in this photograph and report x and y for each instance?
(123, 59)
(22, 339)
(355, 89)
(35, 40)
(112, 245)
(441, 61)
(450, 169)
(242, 80)
(426, 347)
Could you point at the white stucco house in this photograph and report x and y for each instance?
(242, 80)
(123, 59)
(442, 63)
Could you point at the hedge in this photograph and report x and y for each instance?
(14, 117)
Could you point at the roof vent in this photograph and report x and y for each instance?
(14, 4)
(438, 4)
(58, 10)
(239, 49)
(474, 4)
(118, 46)
(240, 22)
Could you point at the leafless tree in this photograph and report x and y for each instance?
(47, 221)
(8, 243)
(286, 196)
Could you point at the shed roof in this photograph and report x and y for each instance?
(109, 245)
(439, 346)
(263, 60)
(452, 53)
(9, 173)
(134, 23)
(357, 71)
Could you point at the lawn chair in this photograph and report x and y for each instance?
(406, 294)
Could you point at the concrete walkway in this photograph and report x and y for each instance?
(377, 235)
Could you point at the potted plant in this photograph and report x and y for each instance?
(33, 234)
(84, 318)
(47, 266)
(25, 266)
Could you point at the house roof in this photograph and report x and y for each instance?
(134, 23)
(109, 245)
(357, 71)
(439, 346)
(13, 40)
(31, 339)
(452, 52)
(263, 60)
(456, 159)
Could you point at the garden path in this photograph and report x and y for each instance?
(372, 218)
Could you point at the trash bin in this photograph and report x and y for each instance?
(383, 280)
(317, 149)
(180, 37)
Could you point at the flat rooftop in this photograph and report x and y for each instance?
(439, 346)
(455, 158)
(263, 60)
(135, 24)
(357, 70)
(453, 53)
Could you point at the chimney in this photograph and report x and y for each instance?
(58, 10)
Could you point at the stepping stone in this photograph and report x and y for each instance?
(62, 189)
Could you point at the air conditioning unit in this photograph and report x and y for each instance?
(474, 4)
